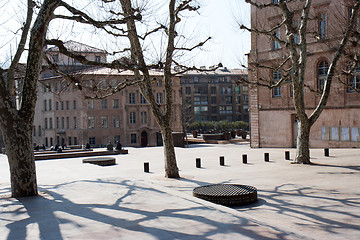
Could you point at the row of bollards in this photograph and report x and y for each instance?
(244, 159)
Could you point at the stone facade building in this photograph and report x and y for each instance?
(215, 96)
(272, 114)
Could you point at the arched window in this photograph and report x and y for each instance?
(354, 81)
(322, 70)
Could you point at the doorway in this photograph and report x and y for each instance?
(144, 139)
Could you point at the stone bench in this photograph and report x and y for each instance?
(101, 161)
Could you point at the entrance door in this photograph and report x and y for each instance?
(144, 139)
(159, 140)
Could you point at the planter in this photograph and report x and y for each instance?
(226, 135)
(195, 134)
(244, 134)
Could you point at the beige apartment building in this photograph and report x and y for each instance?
(272, 114)
(64, 114)
(71, 118)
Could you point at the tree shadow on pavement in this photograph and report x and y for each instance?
(113, 208)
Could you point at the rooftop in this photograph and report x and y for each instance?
(74, 46)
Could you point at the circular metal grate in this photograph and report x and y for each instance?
(227, 194)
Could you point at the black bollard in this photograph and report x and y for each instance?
(244, 158)
(287, 155)
(198, 162)
(326, 152)
(222, 160)
(266, 157)
(146, 166)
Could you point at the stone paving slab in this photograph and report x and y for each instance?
(84, 201)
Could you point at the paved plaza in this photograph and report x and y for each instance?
(85, 201)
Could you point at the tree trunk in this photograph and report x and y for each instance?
(303, 143)
(20, 153)
(171, 169)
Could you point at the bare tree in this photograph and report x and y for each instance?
(297, 20)
(134, 57)
(17, 121)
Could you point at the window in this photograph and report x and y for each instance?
(91, 104)
(245, 99)
(196, 79)
(323, 68)
(132, 117)
(276, 91)
(104, 122)
(322, 26)
(56, 105)
(214, 109)
(104, 104)
(75, 141)
(116, 138)
(55, 58)
(143, 117)
(62, 122)
(222, 79)
(39, 127)
(115, 103)
(50, 105)
(67, 122)
(67, 105)
(45, 105)
(213, 100)
(56, 86)
(46, 123)
(91, 122)
(159, 98)
(213, 90)
(50, 123)
(133, 138)
(226, 90)
(92, 140)
(187, 90)
(97, 59)
(62, 105)
(355, 134)
(116, 121)
(57, 123)
(237, 90)
(69, 141)
(34, 131)
(225, 109)
(238, 99)
(275, 1)
(200, 109)
(276, 44)
(142, 99)
(132, 98)
(203, 100)
(75, 123)
(354, 81)
(228, 99)
(296, 34)
(74, 105)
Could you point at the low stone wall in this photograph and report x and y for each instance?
(78, 154)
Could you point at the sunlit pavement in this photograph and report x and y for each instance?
(85, 201)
